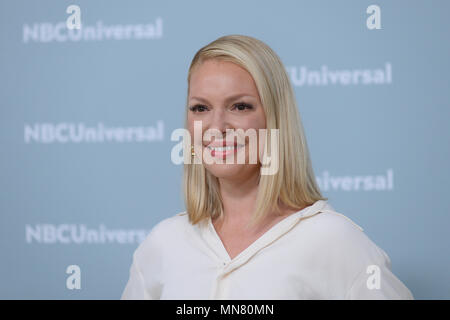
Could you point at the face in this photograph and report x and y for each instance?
(223, 95)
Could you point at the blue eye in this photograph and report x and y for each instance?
(197, 108)
(241, 106)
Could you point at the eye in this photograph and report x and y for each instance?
(242, 106)
(198, 108)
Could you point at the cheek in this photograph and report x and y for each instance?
(189, 122)
(255, 122)
(190, 128)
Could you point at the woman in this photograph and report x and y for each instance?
(246, 234)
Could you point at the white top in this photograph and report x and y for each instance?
(315, 253)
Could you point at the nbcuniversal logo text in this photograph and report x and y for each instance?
(380, 182)
(46, 32)
(65, 132)
(80, 234)
(325, 76)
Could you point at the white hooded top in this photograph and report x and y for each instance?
(315, 253)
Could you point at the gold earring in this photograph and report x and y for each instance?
(192, 151)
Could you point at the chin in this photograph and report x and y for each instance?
(224, 170)
(230, 171)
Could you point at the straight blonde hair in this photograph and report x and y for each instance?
(294, 183)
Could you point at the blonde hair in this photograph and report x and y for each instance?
(294, 183)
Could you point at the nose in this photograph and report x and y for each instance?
(219, 122)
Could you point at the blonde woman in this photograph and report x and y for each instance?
(245, 234)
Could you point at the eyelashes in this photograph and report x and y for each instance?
(197, 108)
(240, 106)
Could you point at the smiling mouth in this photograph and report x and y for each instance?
(224, 151)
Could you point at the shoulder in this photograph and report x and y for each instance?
(341, 243)
(170, 225)
(336, 230)
(350, 264)
(163, 232)
(342, 258)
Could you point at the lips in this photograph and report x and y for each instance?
(223, 148)
(223, 143)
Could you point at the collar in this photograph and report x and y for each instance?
(218, 252)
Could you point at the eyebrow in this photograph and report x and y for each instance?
(229, 99)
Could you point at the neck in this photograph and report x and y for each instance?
(238, 198)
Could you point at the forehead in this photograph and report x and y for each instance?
(221, 77)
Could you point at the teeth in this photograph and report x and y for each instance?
(220, 149)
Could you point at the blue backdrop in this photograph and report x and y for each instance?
(87, 114)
